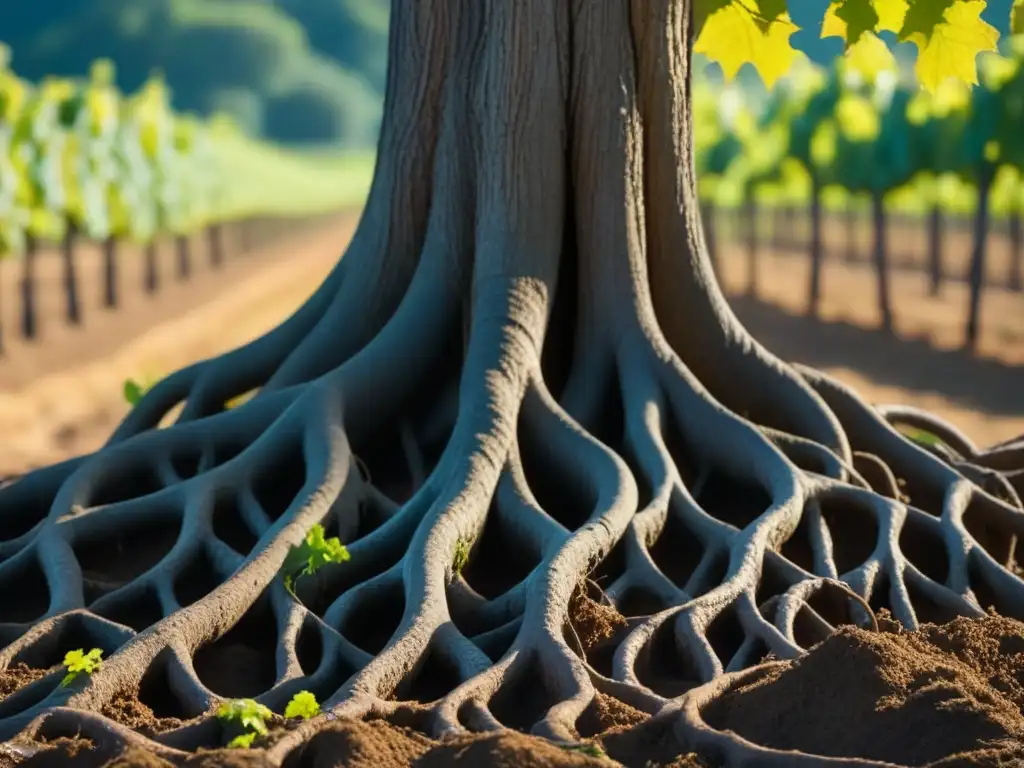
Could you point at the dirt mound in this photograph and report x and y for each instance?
(906, 698)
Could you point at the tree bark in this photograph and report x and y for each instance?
(750, 226)
(1015, 280)
(73, 306)
(850, 255)
(29, 314)
(521, 376)
(215, 239)
(881, 253)
(814, 289)
(935, 269)
(977, 272)
(182, 246)
(110, 293)
(151, 271)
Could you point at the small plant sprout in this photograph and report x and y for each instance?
(302, 706)
(79, 662)
(244, 715)
(309, 557)
(461, 556)
(588, 749)
(135, 390)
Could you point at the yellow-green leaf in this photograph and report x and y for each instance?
(735, 34)
(949, 47)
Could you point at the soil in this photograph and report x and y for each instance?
(923, 363)
(18, 676)
(61, 396)
(949, 693)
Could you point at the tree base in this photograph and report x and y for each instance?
(525, 369)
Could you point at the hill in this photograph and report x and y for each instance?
(295, 71)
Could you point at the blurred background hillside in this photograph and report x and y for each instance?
(295, 71)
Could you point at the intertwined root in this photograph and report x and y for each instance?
(529, 365)
(165, 551)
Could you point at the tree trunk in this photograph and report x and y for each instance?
(750, 226)
(73, 308)
(182, 244)
(110, 272)
(978, 253)
(1015, 280)
(151, 272)
(935, 269)
(29, 314)
(215, 238)
(814, 290)
(521, 378)
(850, 255)
(881, 252)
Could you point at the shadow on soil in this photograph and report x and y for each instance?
(982, 384)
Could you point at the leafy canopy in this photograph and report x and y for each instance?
(949, 34)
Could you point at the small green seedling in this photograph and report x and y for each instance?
(920, 436)
(302, 706)
(590, 750)
(315, 552)
(247, 716)
(461, 555)
(79, 662)
(243, 742)
(134, 390)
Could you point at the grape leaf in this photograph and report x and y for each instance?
(736, 34)
(950, 46)
(860, 16)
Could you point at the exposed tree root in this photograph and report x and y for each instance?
(529, 362)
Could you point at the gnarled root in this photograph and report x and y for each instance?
(521, 388)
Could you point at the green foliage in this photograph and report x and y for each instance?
(243, 740)
(78, 662)
(265, 49)
(302, 706)
(315, 552)
(461, 557)
(83, 154)
(588, 749)
(246, 719)
(133, 391)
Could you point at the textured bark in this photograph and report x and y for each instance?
(881, 258)
(817, 255)
(979, 250)
(72, 305)
(1015, 280)
(749, 218)
(523, 355)
(935, 250)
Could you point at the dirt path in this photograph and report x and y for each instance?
(63, 397)
(922, 365)
(50, 411)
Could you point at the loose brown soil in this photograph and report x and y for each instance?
(18, 676)
(906, 698)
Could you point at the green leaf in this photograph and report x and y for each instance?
(242, 742)
(923, 16)
(860, 17)
(303, 705)
(133, 392)
(79, 662)
(315, 552)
